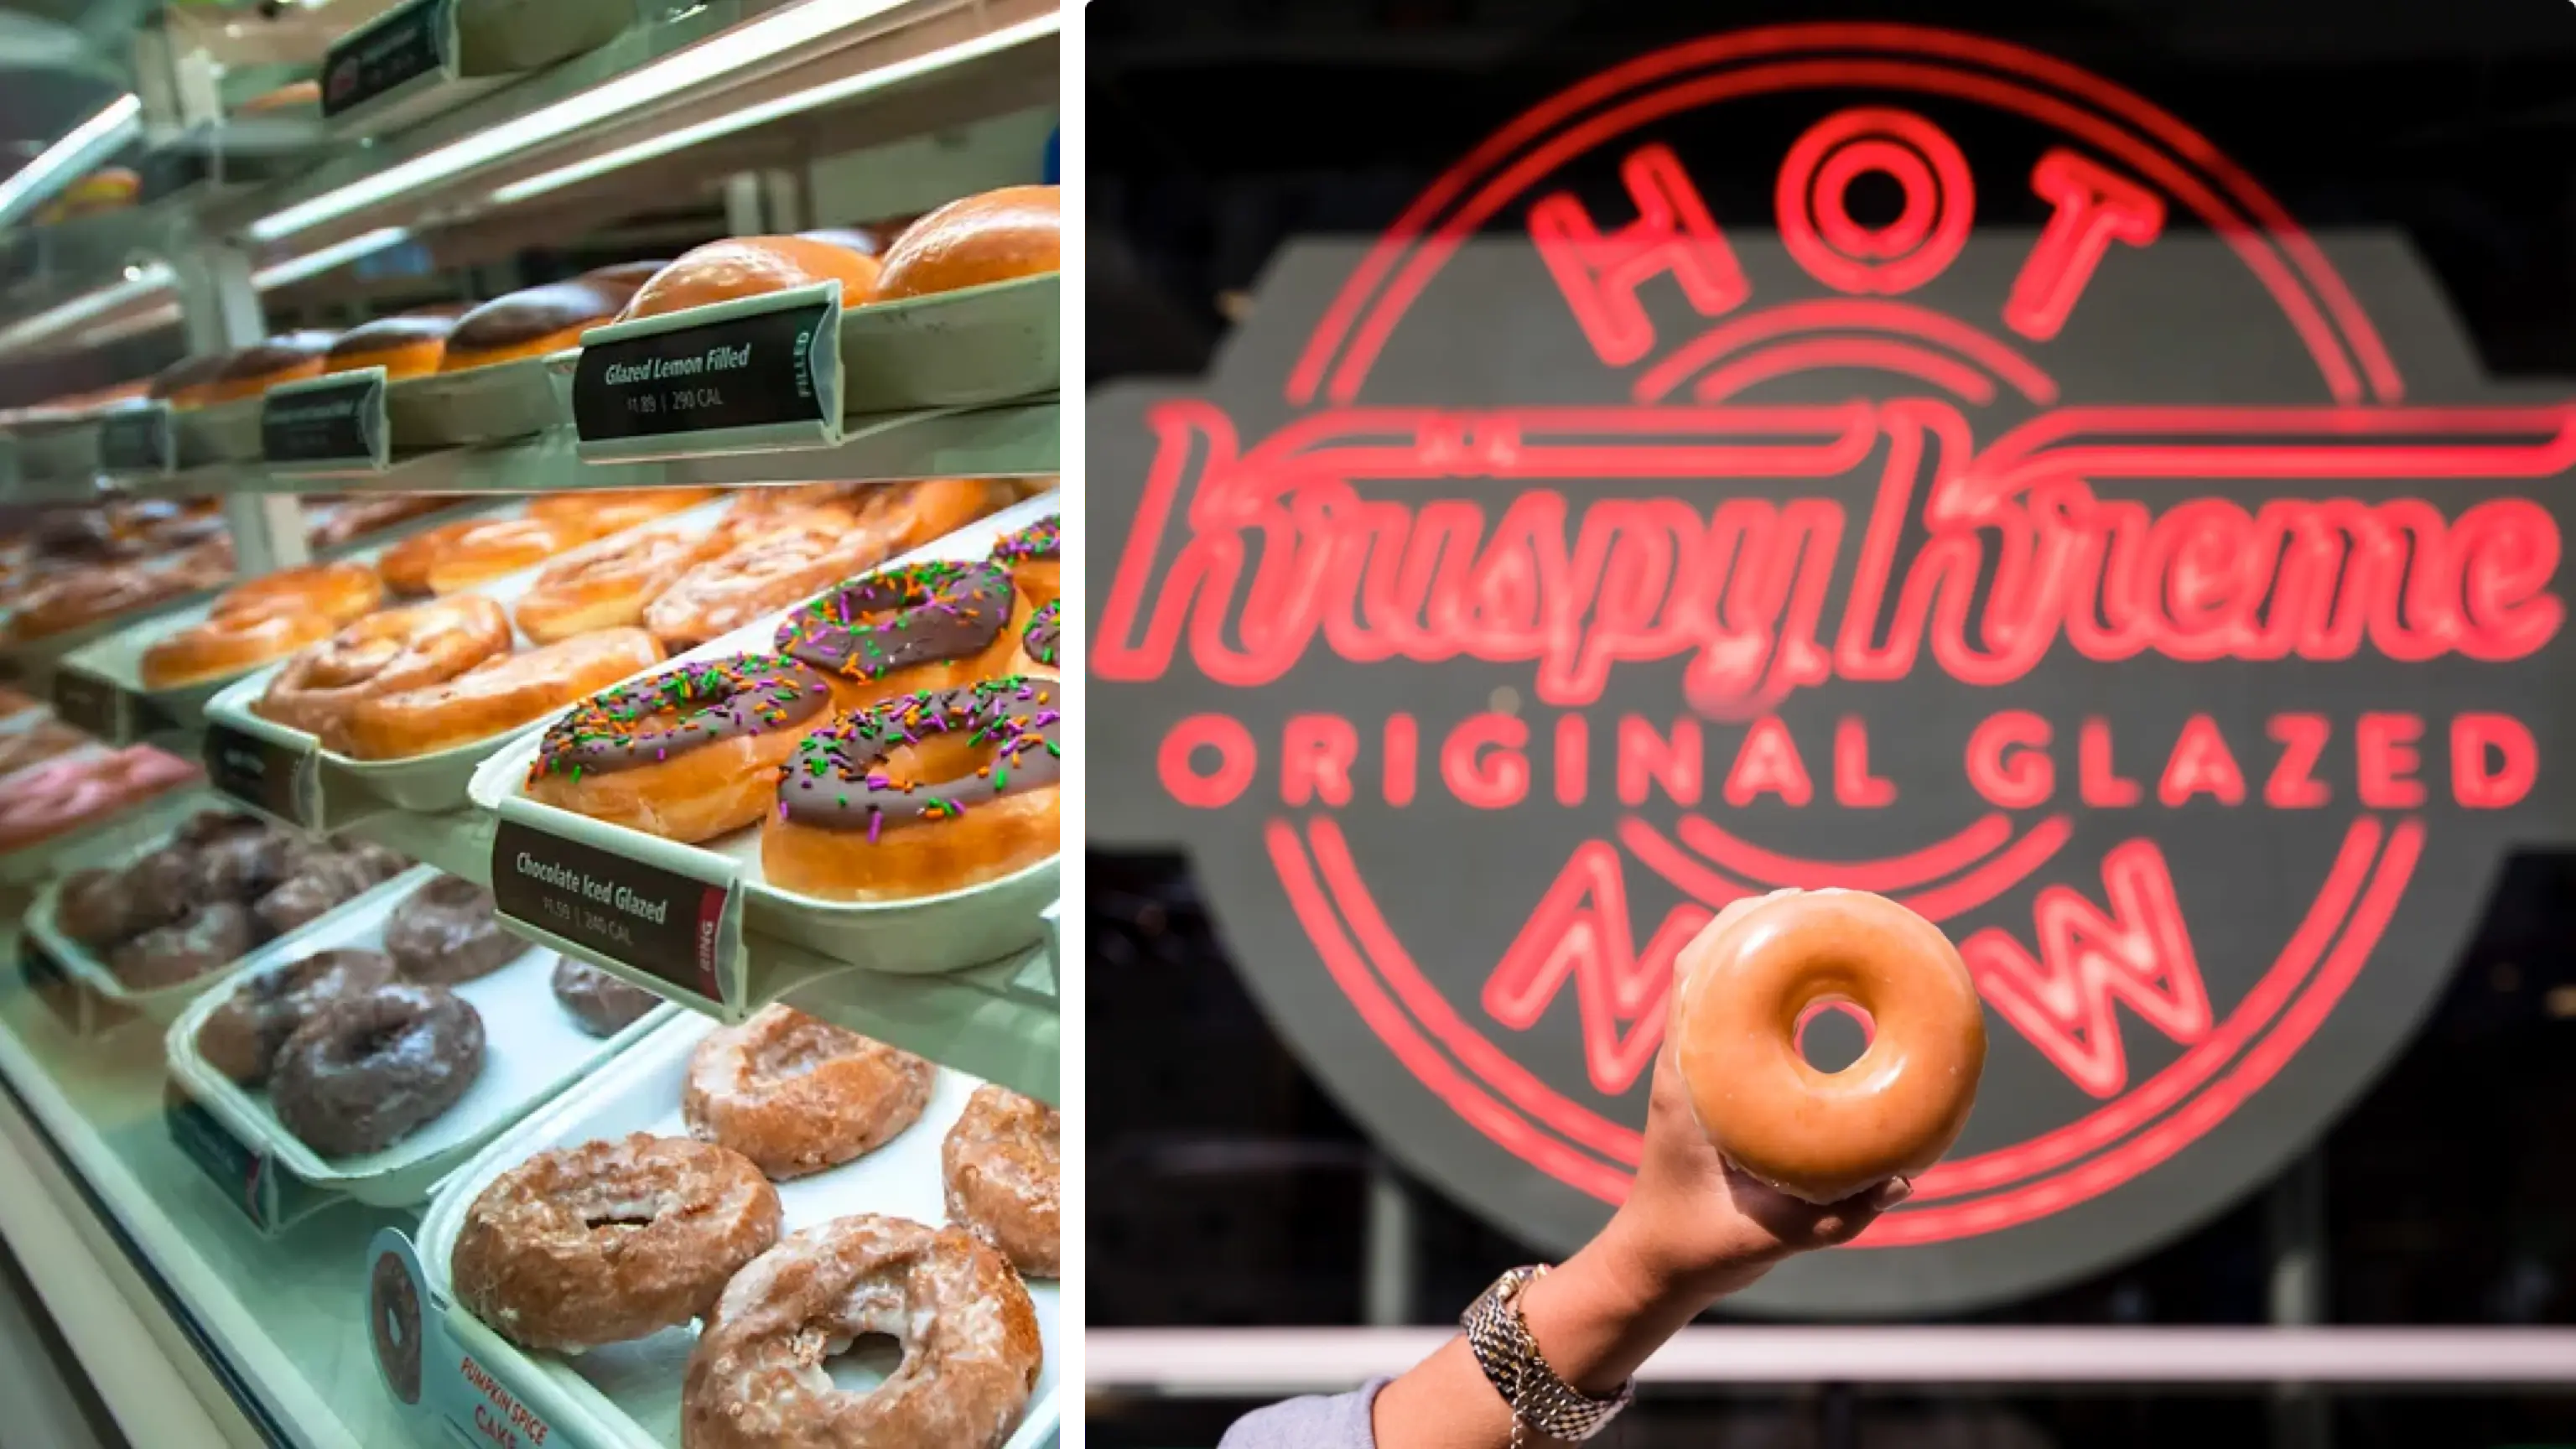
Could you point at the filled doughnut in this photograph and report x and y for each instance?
(375, 1065)
(287, 357)
(495, 547)
(751, 266)
(267, 618)
(994, 237)
(610, 1241)
(925, 626)
(797, 1095)
(444, 934)
(686, 754)
(1032, 556)
(70, 791)
(385, 653)
(1000, 1165)
(606, 584)
(1041, 642)
(1745, 986)
(242, 1038)
(770, 572)
(603, 1004)
(410, 345)
(531, 322)
(494, 697)
(971, 1350)
(920, 795)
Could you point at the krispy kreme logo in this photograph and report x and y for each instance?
(1843, 455)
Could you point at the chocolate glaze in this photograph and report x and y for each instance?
(837, 780)
(373, 1066)
(388, 333)
(188, 372)
(1041, 539)
(444, 933)
(603, 1004)
(206, 937)
(1043, 639)
(923, 614)
(242, 1037)
(533, 312)
(285, 350)
(648, 720)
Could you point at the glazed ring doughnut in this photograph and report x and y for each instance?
(971, 1351)
(405, 566)
(496, 547)
(686, 754)
(267, 618)
(934, 625)
(386, 653)
(1746, 983)
(598, 513)
(368, 1069)
(445, 934)
(609, 1241)
(70, 790)
(496, 696)
(796, 1095)
(605, 585)
(913, 514)
(1000, 1164)
(1042, 642)
(780, 567)
(1031, 554)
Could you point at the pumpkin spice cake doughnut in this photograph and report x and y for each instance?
(686, 754)
(797, 1095)
(924, 626)
(375, 1065)
(1000, 1165)
(608, 1241)
(971, 1350)
(384, 653)
(267, 618)
(496, 696)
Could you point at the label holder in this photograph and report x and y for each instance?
(270, 1197)
(98, 706)
(275, 779)
(756, 374)
(139, 442)
(406, 50)
(331, 427)
(651, 912)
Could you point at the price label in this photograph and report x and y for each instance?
(398, 49)
(95, 706)
(277, 780)
(670, 925)
(329, 425)
(249, 1179)
(745, 376)
(453, 1396)
(138, 440)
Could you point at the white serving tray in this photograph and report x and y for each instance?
(532, 1050)
(949, 932)
(628, 1395)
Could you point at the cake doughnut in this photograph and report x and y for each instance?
(603, 1004)
(797, 1095)
(1033, 555)
(321, 883)
(368, 1069)
(971, 1350)
(69, 791)
(1744, 987)
(776, 569)
(605, 585)
(925, 626)
(494, 547)
(409, 345)
(531, 322)
(496, 696)
(287, 357)
(393, 1318)
(267, 618)
(751, 266)
(242, 1037)
(210, 935)
(609, 1241)
(920, 795)
(1000, 1164)
(385, 653)
(444, 934)
(993, 237)
(1041, 642)
(686, 754)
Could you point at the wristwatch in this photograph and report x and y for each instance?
(1541, 1403)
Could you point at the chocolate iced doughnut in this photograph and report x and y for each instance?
(371, 1067)
(1042, 540)
(393, 1315)
(243, 1036)
(837, 779)
(1043, 640)
(652, 720)
(926, 613)
(206, 937)
(444, 933)
(322, 884)
(94, 908)
(603, 1004)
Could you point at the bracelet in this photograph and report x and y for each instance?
(1539, 1401)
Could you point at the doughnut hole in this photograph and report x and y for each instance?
(1833, 1032)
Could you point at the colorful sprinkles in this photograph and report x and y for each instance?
(1042, 639)
(838, 778)
(648, 720)
(1039, 540)
(924, 613)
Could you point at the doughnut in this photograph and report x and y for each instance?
(493, 697)
(1041, 643)
(287, 357)
(495, 547)
(796, 1095)
(625, 276)
(393, 1317)
(609, 1241)
(267, 618)
(38, 743)
(931, 509)
(868, 239)
(1032, 556)
(1000, 1165)
(531, 322)
(598, 513)
(84, 596)
(971, 1351)
(352, 518)
(183, 383)
(757, 511)
(750, 266)
(210, 935)
(242, 1037)
(386, 653)
(1746, 984)
(410, 345)
(444, 934)
(603, 1004)
(371, 1067)
(772, 571)
(686, 754)
(70, 791)
(606, 584)
(925, 626)
(322, 881)
(994, 237)
(919, 795)
(405, 566)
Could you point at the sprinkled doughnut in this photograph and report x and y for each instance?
(1000, 1163)
(920, 795)
(971, 1351)
(1042, 642)
(935, 625)
(686, 754)
(1031, 554)
(796, 1095)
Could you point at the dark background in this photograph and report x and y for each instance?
(1226, 1189)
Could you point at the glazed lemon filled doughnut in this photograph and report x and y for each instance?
(925, 626)
(751, 266)
(1753, 974)
(493, 697)
(686, 754)
(919, 795)
(383, 653)
(267, 618)
(797, 1095)
(606, 584)
(992, 237)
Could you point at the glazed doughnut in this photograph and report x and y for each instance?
(386, 653)
(758, 511)
(267, 618)
(1032, 556)
(971, 1350)
(920, 795)
(370, 1068)
(287, 357)
(69, 791)
(38, 743)
(444, 934)
(351, 518)
(868, 239)
(994, 237)
(324, 880)
(687, 754)
(1745, 986)
(494, 697)
(624, 276)
(796, 1095)
(604, 1005)
(1042, 642)
(242, 1037)
(495, 547)
(767, 574)
(531, 322)
(928, 510)
(751, 266)
(925, 626)
(410, 345)
(610, 1241)
(1000, 1164)
(606, 584)
(405, 566)
(596, 514)
(85, 596)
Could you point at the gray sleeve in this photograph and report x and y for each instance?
(1339, 1422)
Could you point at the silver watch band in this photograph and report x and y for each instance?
(1539, 1401)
